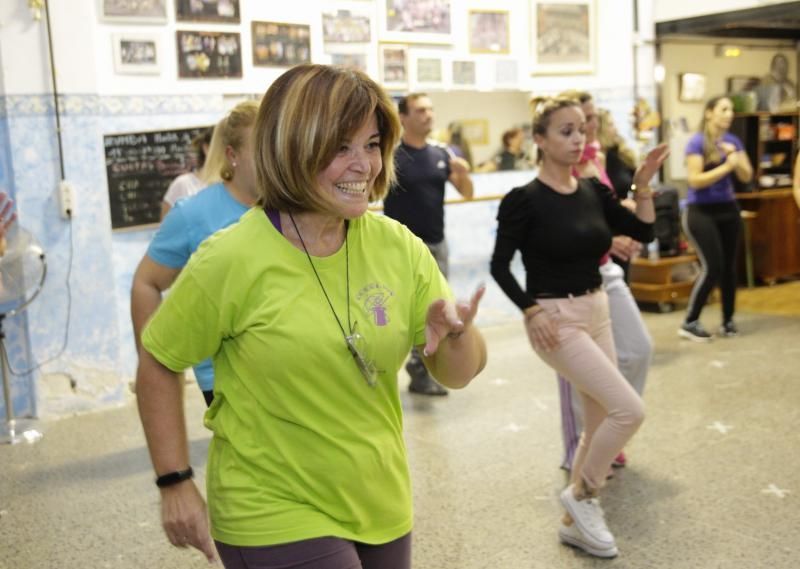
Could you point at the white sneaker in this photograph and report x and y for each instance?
(589, 518)
(572, 535)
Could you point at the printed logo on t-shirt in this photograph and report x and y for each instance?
(441, 165)
(374, 297)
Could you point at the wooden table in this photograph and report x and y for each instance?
(652, 280)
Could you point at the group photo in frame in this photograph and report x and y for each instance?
(464, 74)
(134, 11)
(428, 71)
(277, 44)
(394, 66)
(488, 31)
(352, 60)
(416, 21)
(209, 55)
(221, 11)
(563, 36)
(346, 27)
(136, 54)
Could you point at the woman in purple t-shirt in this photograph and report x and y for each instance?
(711, 219)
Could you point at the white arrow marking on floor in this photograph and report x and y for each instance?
(717, 426)
(514, 428)
(775, 491)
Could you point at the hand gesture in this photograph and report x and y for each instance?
(625, 248)
(542, 331)
(727, 148)
(446, 317)
(650, 165)
(185, 520)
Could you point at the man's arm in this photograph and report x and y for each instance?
(459, 177)
(149, 281)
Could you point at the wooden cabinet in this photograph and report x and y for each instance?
(771, 142)
(654, 280)
(774, 233)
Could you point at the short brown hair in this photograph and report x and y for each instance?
(305, 116)
(402, 105)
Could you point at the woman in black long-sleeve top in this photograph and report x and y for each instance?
(563, 226)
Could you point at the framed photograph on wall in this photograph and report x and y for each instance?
(416, 21)
(742, 83)
(136, 54)
(488, 31)
(692, 87)
(209, 55)
(135, 11)
(351, 60)
(506, 73)
(280, 45)
(476, 131)
(563, 36)
(464, 74)
(346, 26)
(223, 11)
(394, 66)
(429, 72)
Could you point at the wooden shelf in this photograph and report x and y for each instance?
(653, 280)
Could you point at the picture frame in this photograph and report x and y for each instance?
(133, 11)
(346, 27)
(476, 131)
(136, 54)
(353, 60)
(506, 73)
(488, 31)
(464, 73)
(217, 11)
(278, 44)
(416, 21)
(394, 66)
(209, 55)
(429, 72)
(563, 37)
(692, 87)
(742, 83)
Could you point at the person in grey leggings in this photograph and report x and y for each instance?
(634, 354)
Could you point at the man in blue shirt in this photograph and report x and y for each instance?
(417, 199)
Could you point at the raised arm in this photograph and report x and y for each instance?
(459, 177)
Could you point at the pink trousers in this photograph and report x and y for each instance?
(586, 357)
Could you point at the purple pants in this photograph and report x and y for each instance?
(319, 553)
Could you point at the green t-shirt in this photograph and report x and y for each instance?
(303, 447)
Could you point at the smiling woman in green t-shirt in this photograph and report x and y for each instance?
(308, 306)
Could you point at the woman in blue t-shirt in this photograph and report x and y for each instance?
(711, 219)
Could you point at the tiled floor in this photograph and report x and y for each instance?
(711, 483)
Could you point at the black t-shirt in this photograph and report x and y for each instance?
(561, 237)
(417, 199)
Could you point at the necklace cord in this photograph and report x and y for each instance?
(319, 280)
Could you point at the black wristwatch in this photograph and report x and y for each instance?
(174, 477)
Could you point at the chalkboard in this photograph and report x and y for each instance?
(139, 167)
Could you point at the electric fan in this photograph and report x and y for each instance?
(22, 272)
